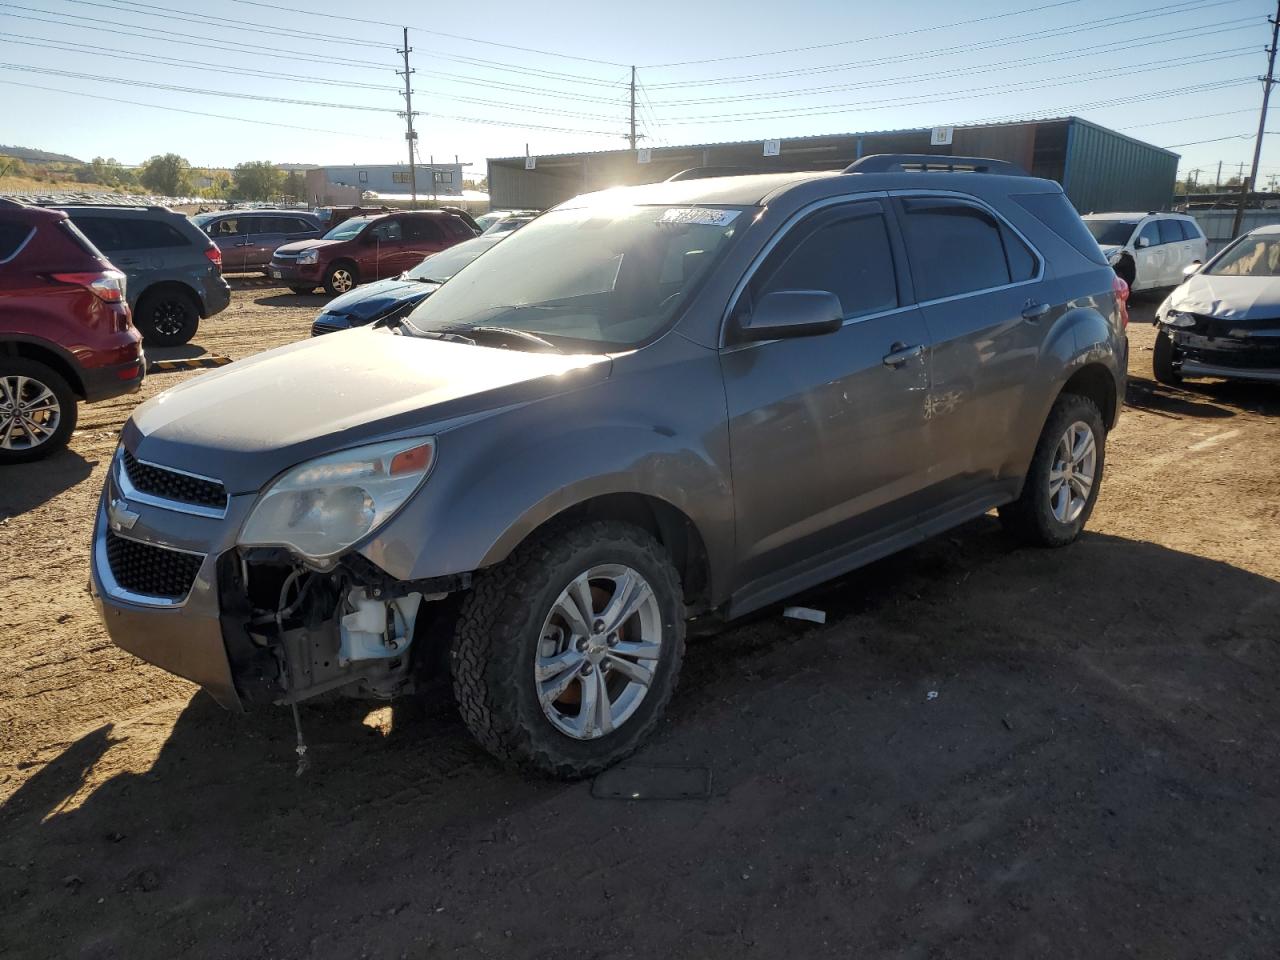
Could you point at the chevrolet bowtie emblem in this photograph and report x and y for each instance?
(120, 516)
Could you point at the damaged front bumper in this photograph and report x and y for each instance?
(250, 625)
(1222, 348)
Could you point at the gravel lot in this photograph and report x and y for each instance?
(1096, 776)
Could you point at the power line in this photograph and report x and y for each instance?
(197, 113)
(436, 33)
(881, 36)
(207, 20)
(114, 52)
(970, 93)
(151, 85)
(995, 67)
(225, 45)
(1174, 9)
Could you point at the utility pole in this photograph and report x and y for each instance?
(1267, 82)
(632, 137)
(1217, 181)
(410, 135)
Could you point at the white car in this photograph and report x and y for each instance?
(1149, 251)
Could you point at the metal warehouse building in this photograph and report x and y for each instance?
(1099, 169)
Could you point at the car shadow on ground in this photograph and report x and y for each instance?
(25, 486)
(1207, 399)
(983, 745)
(293, 300)
(187, 351)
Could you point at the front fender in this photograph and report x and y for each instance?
(657, 427)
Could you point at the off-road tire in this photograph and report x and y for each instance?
(1030, 518)
(176, 312)
(67, 409)
(350, 268)
(495, 644)
(1162, 360)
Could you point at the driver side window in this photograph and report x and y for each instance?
(386, 231)
(1151, 233)
(839, 251)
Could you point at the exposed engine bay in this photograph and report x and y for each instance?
(294, 632)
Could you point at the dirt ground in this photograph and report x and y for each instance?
(985, 752)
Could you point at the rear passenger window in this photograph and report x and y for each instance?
(843, 253)
(422, 229)
(1055, 211)
(954, 248)
(1151, 233)
(110, 234)
(1171, 231)
(12, 237)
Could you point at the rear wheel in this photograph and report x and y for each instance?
(340, 278)
(567, 653)
(1062, 483)
(1162, 358)
(167, 317)
(37, 410)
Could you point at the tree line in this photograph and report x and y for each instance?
(170, 175)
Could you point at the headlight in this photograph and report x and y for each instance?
(309, 256)
(1176, 318)
(321, 507)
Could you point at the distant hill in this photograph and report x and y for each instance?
(37, 156)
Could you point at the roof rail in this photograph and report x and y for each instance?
(932, 163)
(702, 173)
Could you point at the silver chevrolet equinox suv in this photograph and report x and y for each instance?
(651, 405)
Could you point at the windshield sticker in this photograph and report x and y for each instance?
(702, 216)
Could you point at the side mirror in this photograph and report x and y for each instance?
(1143, 242)
(793, 313)
(1191, 269)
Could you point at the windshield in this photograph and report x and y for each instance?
(1249, 257)
(595, 278)
(347, 229)
(439, 267)
(508, 225)
(1111, 233)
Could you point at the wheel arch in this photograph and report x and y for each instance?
(1096, 382)
(51, 356)
(663, 520)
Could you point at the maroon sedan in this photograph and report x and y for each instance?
(65, 330)
(363, 249)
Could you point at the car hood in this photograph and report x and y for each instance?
(375, 299)
(299, 245)
(246, 422)
(1109, 250)
(1243, 299)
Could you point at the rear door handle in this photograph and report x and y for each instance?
(1034, 311)
(900, 353)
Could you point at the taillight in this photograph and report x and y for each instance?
(107, 285)
(1122, 297)
(215, 257)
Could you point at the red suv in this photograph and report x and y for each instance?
(65, 331)
(366, 248)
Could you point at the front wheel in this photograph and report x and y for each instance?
(1062, 483)
(1162, 357)
(567, 653)
(37, 410)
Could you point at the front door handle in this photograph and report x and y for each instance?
(900, 353)
(1034, 311)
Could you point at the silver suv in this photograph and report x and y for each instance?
(688, 399)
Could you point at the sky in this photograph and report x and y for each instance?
(89, 77)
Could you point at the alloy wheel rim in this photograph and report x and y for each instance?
(598, 651)
(342, 281)
(1074, 469)
(29, 413)
(169, 317)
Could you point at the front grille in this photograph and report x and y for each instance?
(324, 324)
(170, 485)
(147, 569)
(280, 255)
